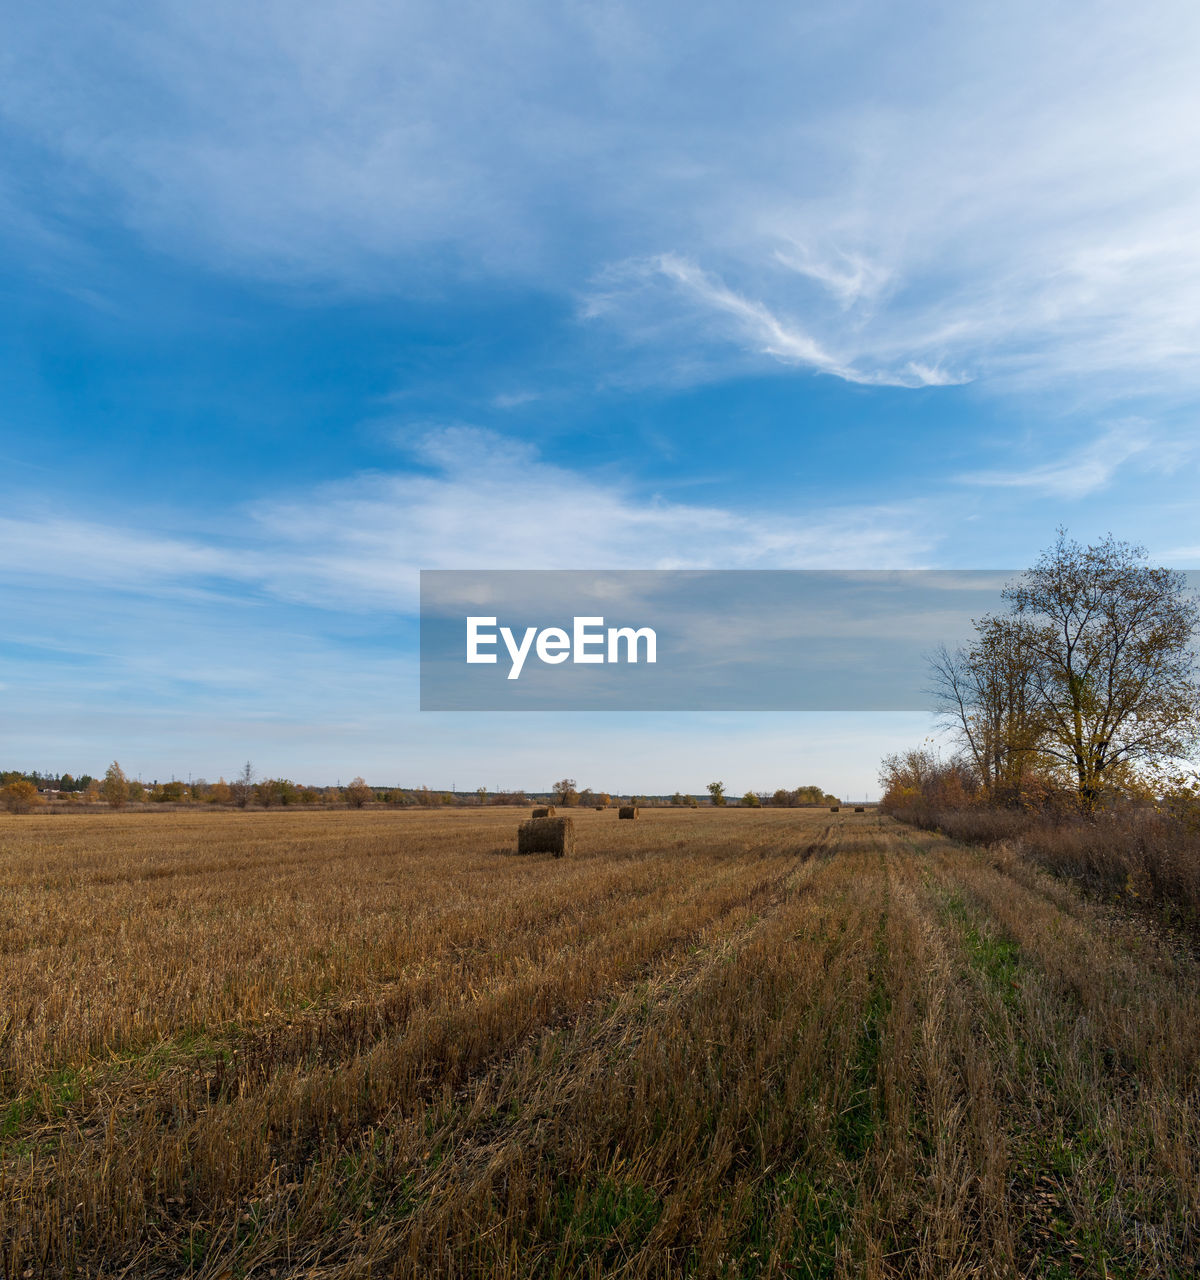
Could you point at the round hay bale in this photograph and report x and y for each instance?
(628, 811)
(545, 812)
(546, 835)
(834, 808)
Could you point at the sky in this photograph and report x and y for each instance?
(298, 300)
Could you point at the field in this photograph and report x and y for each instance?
(713, 1043)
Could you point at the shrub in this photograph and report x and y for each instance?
(1148, 853)
(20, 796)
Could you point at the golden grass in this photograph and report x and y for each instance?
(714, 1042)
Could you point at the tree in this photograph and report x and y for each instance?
(275, 791)
(717, 791)
(266, 792)
(750, 800)
(115, 788)
(565, 792)
(989, 695)
(358, 793)
(20, 796)
(809, 795)
(1109, 639)
(242, 787)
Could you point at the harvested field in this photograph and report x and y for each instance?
(759, 1042)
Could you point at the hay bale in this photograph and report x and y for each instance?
(599, 808)
(547, 812)
(628, 811)
(858, 808)
(833, 808)
(546, 835)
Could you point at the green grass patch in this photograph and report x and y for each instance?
(995, 957)
(601, 1224)
(797, 1221)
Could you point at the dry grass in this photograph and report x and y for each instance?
(1132, 851)
(716, 1043)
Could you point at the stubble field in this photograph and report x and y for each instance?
(712, 1043)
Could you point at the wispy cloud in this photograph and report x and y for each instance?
(1089, 469)
(492, 502)
(630, 287)
(480, 500)
(1011, 198)
(515, 399)
(852, 278)
(114, 557)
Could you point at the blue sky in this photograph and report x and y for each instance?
(298, 300)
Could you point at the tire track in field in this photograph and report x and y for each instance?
(1079, 1062)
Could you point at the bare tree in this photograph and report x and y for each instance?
(242, 787)
(565, 792)
(988, 694)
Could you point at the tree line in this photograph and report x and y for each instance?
(22, 793)
(781, 797)
(25, 792)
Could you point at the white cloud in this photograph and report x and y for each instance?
(112, 557)
(1008, 194)
(515, 399)
(493, 503)
(850, 277)
(482, 501)
(750, 323)
(1087, 470)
